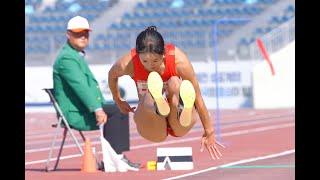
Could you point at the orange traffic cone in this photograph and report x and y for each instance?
(88, 159)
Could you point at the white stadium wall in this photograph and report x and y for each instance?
(37, 78)
(276, 91)
(234, 84)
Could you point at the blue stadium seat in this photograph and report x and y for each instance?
(237, 11)
(218, 2)
(267, 29)
(238, 1)
(290, 8)
(259, 31)
(227, 1)
(172, 25)
(202, 12)
(126, 16)
(132, 25)
(220, 12)
(289, 11)
(49, 10)
(169, 14)
(230, 12)
(284, 19)
(212, 21)
(205, 22)
(140, 5)
(242, 41)
(115, 26)
(28, 29)
(33, 19)
(162, 5)
(206, 12)
(247, 11)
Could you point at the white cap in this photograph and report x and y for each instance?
(78, 24)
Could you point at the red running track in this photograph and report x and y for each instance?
(260, 143)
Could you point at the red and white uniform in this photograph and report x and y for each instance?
(140, 75)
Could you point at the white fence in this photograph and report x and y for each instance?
(276, 39)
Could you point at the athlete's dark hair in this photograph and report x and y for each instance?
(150, 40)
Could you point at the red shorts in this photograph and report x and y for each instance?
(170, 131)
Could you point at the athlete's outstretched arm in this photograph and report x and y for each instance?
(121, 67)
(186, 71)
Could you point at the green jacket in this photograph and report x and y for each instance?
(76, 90)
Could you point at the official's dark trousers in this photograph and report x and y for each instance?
(116, 130)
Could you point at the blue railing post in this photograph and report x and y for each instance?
(215, 58)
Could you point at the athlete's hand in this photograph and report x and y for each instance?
(124, 106)
(209, 141)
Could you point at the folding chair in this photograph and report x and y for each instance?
(62, 122)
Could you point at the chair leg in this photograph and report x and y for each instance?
(52, 146)
(68, 127)
(82, 136)
(61, 148)
(73, 136)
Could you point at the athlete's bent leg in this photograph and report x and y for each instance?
(173, 118)
(150, 125)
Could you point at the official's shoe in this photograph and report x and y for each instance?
(123, 167)
(134, 166)
(100, 166)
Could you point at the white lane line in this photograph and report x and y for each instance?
(180, 141)
(195, 128)
(132, 138)
(133, 129)
(234, 163)
(50, 132)
(241, 132)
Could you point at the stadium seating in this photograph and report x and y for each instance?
(51, 22)
(193, 17)
(274, 22)
(187, 23)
